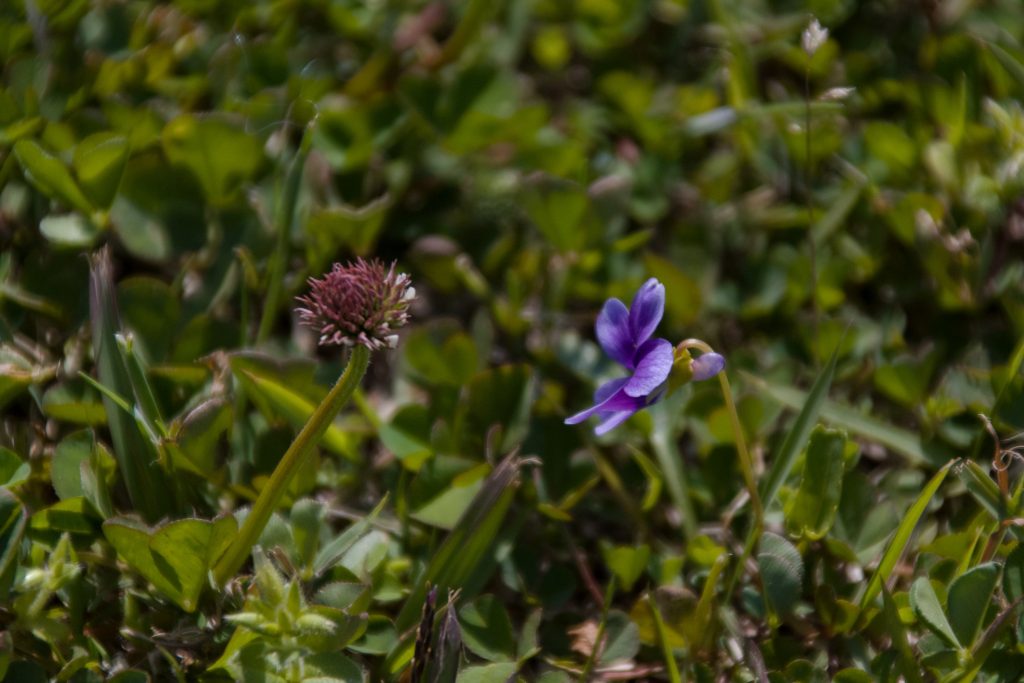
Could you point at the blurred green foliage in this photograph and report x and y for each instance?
(523, 160)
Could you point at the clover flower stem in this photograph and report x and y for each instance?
(297, 454)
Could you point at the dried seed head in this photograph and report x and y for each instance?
(363, 302)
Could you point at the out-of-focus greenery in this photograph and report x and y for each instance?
(523, 160)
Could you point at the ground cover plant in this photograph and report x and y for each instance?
(673, 340)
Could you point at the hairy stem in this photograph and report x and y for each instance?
(270, 497)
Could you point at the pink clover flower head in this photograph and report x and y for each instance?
(361, 303)
(625, 334)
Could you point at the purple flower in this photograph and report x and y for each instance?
(625, 335)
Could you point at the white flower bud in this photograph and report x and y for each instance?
(814, 37)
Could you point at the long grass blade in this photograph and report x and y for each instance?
(902, 537)
(136, 456)
(461, 552)
(798, 434)
(900, 441)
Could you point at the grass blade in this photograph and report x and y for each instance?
(898, 440)
(902, 537)
(136, 456)
(798, 433)
(461, 552)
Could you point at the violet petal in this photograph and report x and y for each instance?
(652, 368)
(646, 310)
(707, 366)
(613, 332)
(616, 402)
(612, 421)
(608, 388)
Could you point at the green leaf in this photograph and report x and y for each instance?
(811, 512)
(66, 473)
(296, 409)
(99, 163)
(446, 509)
(557, 208)
(782, 572)
(852, 676)
(175, 557)
(626, 562)
(928, 609)
(195, 438)
(49, 175)
(488, 673)
(72, 516)
(1013, 574)
(13, 521)
(408, 436)
(333, 550)
(71, 230)
(13, 470)
(16, 370)
(970, 596)
(902, 537)
(73, 402)
(355, 228)
(487, 629)
(622, 639)
(783, 461)
(218, 151)
(440, 356)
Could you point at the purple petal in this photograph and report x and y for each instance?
(614, 403)
(707, 366)
(646, 310)
(613, 421)
(654, 363)
(608, 388)
(613, 332)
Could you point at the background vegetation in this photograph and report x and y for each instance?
(855, 254)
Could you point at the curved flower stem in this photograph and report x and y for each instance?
(746, 464)
(270, 497)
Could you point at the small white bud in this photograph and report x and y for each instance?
(814, 37)
(835, 94)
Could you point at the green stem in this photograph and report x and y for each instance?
(270, 497)
(746, 464)
(756, 527)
